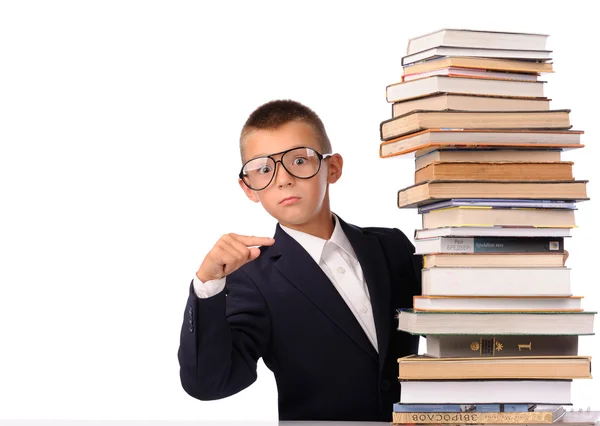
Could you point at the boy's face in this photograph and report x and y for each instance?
(311, 195)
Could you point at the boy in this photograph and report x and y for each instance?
(317, 302)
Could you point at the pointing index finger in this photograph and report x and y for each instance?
(250, 241)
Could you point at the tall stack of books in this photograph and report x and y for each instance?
(497, 203)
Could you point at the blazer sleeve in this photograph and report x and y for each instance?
(222, 338)
(416, 259)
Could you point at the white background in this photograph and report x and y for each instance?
(119, 125)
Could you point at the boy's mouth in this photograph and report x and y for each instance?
(289, 200)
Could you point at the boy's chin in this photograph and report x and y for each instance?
(291, 217)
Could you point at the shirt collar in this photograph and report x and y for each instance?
(314, 245)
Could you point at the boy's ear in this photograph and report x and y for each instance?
(249, 193)
(334, 171)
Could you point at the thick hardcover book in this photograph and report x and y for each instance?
(419, 120)
(493, 324)
(437, 190)
(520, 367)
(426, 141)
(493, 346)
(515, 171)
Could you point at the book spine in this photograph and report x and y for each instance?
(472, 418)
(502, 245)
(491, 346)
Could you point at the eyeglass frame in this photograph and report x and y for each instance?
(320, 156)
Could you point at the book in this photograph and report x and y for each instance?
(429, 192)
(502, 303)
(419, 120)
(471, 72)
(495, 216)
(482, 155)
(556, 392)
(474, 418)
(457, 101)
(559, 171)
(493, 260)
(516, 323)
(440, 51)
(479, 63)
(489, 245)
(498, 281)
(429, 140)
(500, 203)
(495, 231)
(405, 90)
(491, 346)
(463, 408)
(477, 39)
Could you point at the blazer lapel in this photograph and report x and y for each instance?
(296, 265)
(376, 272)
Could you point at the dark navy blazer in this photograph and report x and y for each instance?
(283, 308)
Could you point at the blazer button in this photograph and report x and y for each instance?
(191, 329)
(385, 385)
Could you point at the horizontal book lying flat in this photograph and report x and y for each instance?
(458, 101)
(477, 39)
(493, 346)
(547, 417)
(432, 191)
(479, 63)
(450, 323)
(439, 51)
(497, 303)
(462, 408)
(487, 155)
(471, 72)
(493, 260)
(499, 203)
(403, 91)
(495, 231)
(489, 245)
(430, 140)
(489, 216)
(519, 367)
(419, 120)
(499, 281)
(486, 392)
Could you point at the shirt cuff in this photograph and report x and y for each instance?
(209, 288)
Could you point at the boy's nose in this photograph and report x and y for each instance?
(282, 177)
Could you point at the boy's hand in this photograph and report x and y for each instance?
(231, 252)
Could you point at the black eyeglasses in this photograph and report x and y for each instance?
(302, 163)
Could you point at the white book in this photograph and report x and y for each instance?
(496, 281)
(515, 323)
(477, 39)
(486, 392)
(497, 303)
(473, 86)
(476, 231)
(439, 51)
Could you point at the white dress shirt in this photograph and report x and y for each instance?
(338, 261)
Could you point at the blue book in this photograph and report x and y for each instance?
(499, 203)
(458, 408)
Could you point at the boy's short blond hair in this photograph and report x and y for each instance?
(274, 114)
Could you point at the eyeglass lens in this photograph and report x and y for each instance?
(302, 163)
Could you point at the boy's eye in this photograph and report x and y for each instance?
(264, 170)
(298, 161)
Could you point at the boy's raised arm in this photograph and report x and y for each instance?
(223, 336)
